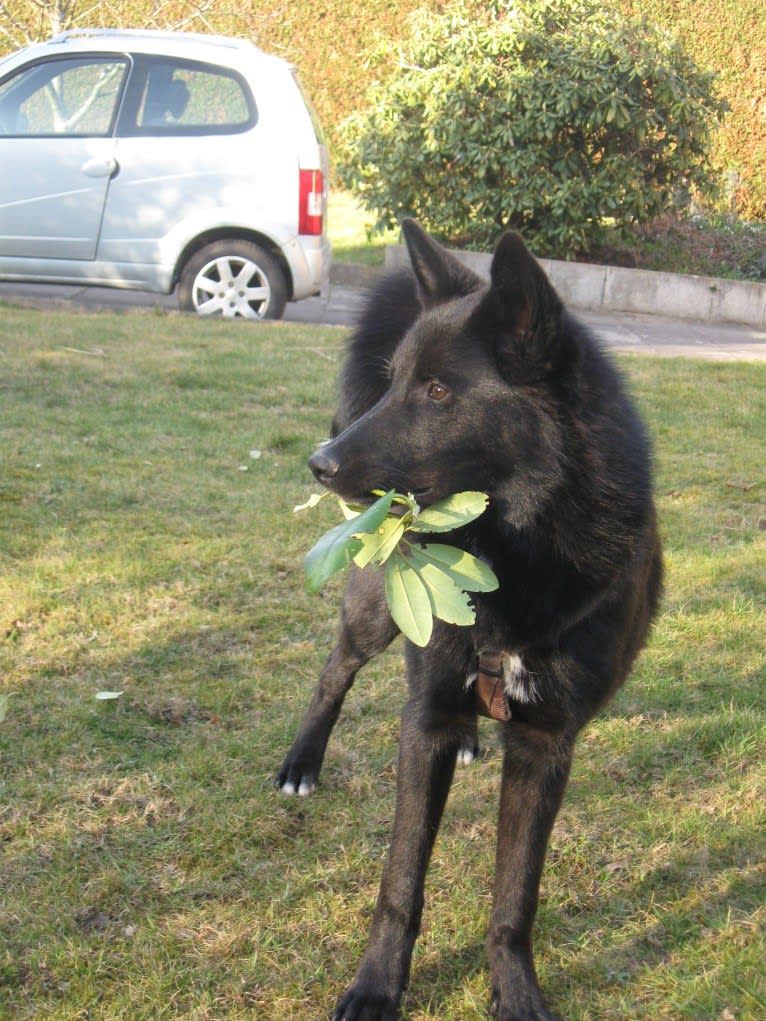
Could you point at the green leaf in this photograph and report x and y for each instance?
(336, 547)
(453, 512)
(108, 696)
(466, 571)
(408, 600)
(378, 546)
(448, 601)
(312, 501)
(4, 700)
(421, 582)
(329, 554)
(349, 510)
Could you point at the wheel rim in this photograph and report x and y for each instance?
(231, 286)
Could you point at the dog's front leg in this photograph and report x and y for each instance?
(425, 769)
(366, 628)
(535, 772)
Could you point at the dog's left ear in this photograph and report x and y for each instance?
(439, 275)
(525, 308)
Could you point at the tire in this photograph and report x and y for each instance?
(233, 278)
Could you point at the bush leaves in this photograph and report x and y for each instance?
(336, 547)
(408, 600)
(455, 511)
(563, 119)
(422, 581)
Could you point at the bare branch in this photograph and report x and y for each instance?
(13, 29)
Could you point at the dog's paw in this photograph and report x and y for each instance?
(467, 752)
(525, 1008)
(303, 788)
(292, 779)
(361, 1005)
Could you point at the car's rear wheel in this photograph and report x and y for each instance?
(233, 278)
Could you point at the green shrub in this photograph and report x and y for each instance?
(560, 118)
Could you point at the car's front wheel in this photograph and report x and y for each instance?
(233, 278)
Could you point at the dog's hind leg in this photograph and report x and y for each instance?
(366, 628)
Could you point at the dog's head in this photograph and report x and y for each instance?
(471, 385)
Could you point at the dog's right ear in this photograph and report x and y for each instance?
(523, 311)
(439, 275)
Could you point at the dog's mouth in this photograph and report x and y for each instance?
(420, 496)
(327, 469)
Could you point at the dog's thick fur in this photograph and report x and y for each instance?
(450, 385)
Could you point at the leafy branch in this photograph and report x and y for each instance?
(422, 580)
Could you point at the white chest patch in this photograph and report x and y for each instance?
(519, 684)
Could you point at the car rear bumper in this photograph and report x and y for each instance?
(309, 260)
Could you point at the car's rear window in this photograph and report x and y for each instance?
(179, 97)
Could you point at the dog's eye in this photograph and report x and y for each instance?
(437, 392)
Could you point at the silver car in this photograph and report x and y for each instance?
(160, 160)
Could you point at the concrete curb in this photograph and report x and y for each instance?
(615, 289)
(354, 274)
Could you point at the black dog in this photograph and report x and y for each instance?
(454, 385)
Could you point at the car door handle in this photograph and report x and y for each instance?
(100, 167)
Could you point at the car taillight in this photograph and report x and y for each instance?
(311, 202)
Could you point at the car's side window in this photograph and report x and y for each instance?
(63, 97)
(181, 97)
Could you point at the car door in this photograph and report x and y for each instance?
(57, 154)
(181, 154)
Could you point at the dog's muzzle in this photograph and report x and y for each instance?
(324, 466)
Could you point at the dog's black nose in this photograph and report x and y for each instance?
(323, 465)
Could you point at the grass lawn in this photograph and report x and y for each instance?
(348, 226)
(150, 871)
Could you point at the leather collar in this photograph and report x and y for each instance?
(491, 699)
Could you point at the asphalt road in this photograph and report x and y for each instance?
(339, 307)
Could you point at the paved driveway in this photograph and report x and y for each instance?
(340, 306)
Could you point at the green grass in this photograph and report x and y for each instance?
(349, 229)
(149, 870)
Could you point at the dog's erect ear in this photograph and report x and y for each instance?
(439, 275)
(521, 290)
(524, 305)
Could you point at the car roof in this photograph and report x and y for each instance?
(192, 45)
